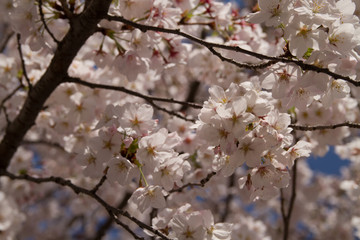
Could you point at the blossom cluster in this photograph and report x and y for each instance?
(258, 75)
(247, 129)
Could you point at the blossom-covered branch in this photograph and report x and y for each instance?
(91, 193)
(304, 66)
(130, 92)
(93, 115)
(149, 99)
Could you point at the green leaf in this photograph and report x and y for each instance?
(133, 146)
(308, 53)
(22, 171)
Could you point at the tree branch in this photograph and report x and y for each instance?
(282, 207)
(113, 212)
(109, 221)
(210, 45)
(2, 104)
(170, 112)
(8, 122)
(12, 93)
(23, 62)
(287, 216)
(43, 142)
(228, 199)
(201, 184)
(42, 17)
(80, 30)
(99, 184)
(130, 92)
(66, 9)
(126, 227)
(193, 88)
(241, 65)
(323, 127)
(5, 40)
(147, 98)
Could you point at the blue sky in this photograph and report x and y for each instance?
(329, 164)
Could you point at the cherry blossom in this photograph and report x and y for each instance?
(150, 196)
(185, 119)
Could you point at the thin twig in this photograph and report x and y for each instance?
(323, 127)
(12, 93)
(87, 3)
(4, 109)
(201, 184)
(23, 62)
(287, 216)
(241, 65)
(109, 221)
(282, 206)
(6, 40)
(193, 88)
(2, 104)
(228, 199)
(77, 189)
(42, 17)
(133, 93)
(66, 9)
(99, 184)
(209, 45)
(170, 112)
(126, 227)
(147, 98)
(43, 142)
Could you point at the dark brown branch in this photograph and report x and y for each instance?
(8, 122)
(66, 9)
(193, 88)
(99, 184)
(228, 199)
(43, 142)
(282, 206)
(147, 98)
(130, 92)
(323, 127)
(170, 112)
(126, 227)
(87, 3)
(6, 40)
(23, 62)
(2, 104)
(42, 17)
(287, 216)
(109, 221)
(241, 65)
(293, 190)
(80, 30)
(209, 45)
(12, 93)
(201, 184)
(113, 212)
